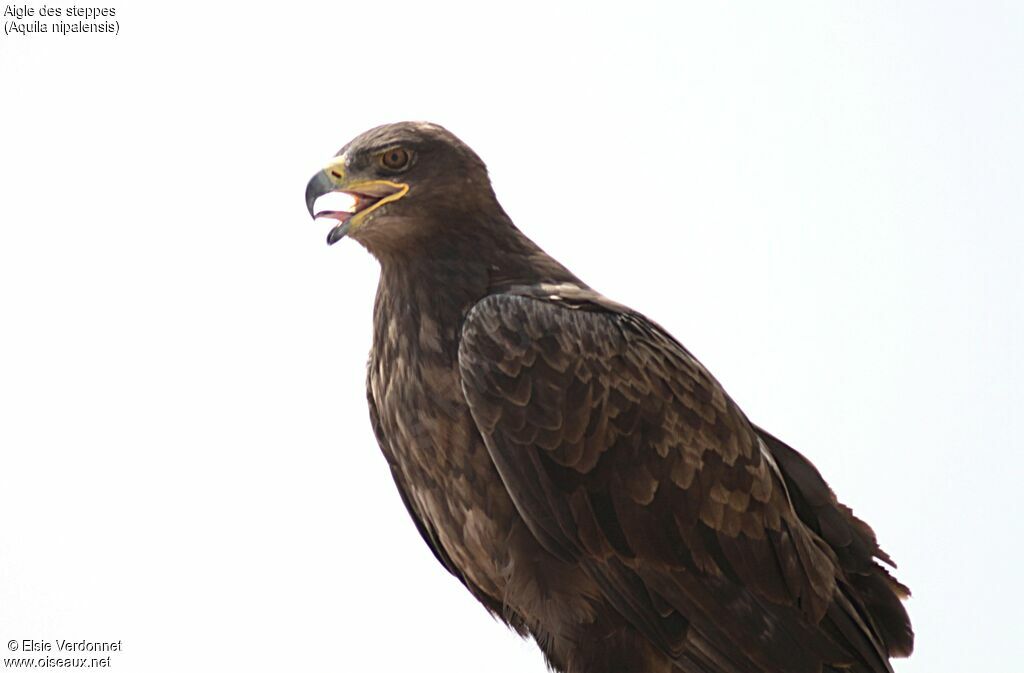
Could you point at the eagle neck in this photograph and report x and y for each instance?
(425, 293)
(421, 303)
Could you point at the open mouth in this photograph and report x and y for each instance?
(343, 205)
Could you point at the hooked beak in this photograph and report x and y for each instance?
(366, 196)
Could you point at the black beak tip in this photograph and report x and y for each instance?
(338, 233)
(318, 185)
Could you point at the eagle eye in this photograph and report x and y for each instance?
(395, 159)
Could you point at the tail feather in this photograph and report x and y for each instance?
(868, 583)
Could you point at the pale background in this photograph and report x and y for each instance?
(822, 200)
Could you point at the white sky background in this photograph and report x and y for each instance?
(822, 200)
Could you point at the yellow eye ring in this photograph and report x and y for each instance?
(395, 159)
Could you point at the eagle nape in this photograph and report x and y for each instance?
(575, 467)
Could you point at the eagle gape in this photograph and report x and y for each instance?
(572, 464)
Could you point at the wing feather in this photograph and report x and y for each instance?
(623, 453)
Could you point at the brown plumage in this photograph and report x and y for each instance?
(573, 465)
